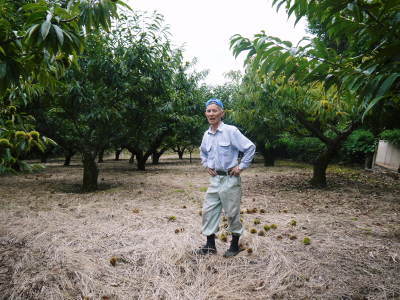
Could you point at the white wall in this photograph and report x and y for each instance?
(387, 155)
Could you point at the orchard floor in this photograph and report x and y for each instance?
(133, 238)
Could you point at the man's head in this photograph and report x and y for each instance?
(214, 111)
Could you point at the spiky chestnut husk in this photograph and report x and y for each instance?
(34, 135)
(20, 134)
(113, 260)
(4, 143)
(12, 109)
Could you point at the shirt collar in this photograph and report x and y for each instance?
(220, 128)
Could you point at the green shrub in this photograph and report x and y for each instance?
(300, 149)
(392, 136)
(359, 144)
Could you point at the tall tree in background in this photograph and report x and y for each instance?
(38, 41)
(356, 48)
(351, 65)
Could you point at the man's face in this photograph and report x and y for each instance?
(214, 114)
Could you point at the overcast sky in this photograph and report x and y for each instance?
(204, 27)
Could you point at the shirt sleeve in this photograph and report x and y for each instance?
(244, 145)
(203, 152)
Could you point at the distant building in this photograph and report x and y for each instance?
(387, 155)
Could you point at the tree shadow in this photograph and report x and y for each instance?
(76, 188)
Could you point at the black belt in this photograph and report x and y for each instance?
(222, 173)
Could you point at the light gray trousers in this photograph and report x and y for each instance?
(224, 192)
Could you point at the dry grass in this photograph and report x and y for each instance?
(121, 242)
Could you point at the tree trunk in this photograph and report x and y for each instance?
(268, 154)
(269, 158)
(101, 156)
(368, 161)
(44, 156)
(90, 172)
(141, 161)
(155, 158)
(117, 153)
(319, 172)
(180, 153)
(332, 147)
(68, 155)
(321, 163)
(132, 158)
(190, 157)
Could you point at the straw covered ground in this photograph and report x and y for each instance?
(133, 238)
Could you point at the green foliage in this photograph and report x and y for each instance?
(301, 149)
(129, 89)
(39, 39)
(17, 139)
(392, 136)
(356, 48)
(328, 84)
(360, 143)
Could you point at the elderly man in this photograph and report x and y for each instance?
(219, 155)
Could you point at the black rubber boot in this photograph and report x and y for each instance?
(234, 248)
(208, 248)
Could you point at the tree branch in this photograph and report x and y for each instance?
(11, 40)
(316, 130)
(69, 20)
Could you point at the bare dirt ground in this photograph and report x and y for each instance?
(133, 239)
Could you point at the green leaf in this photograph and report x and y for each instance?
(44, 29)
(60, 34)
(387, 84)
(371, 105)
(121, 3)
(272, 50)
(3, 70)
(32, 29)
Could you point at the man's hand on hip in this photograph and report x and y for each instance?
(235, 171)
(212, 172)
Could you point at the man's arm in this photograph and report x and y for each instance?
(204, 157)
(203, 152)
(244, 145)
